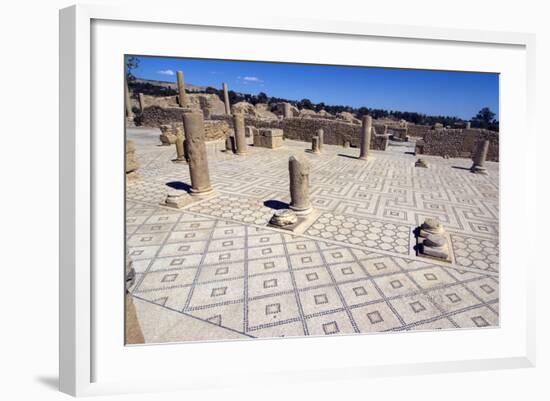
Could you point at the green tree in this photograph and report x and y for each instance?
(131, 64)
(305, 104)
(484, 118)
(262, 97)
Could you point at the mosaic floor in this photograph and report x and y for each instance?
(215, 264)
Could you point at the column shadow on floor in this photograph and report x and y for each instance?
(276, 204)
(180, 186)
(348, 156)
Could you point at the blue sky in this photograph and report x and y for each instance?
(460, 94)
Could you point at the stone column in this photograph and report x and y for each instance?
(196, 150)
(321, 135)
(468, 125)
(226, 99)
(181, 89)
(287, 113)
(365, 137)
(240, 138)
(180, 149)
(141, 102)
(479, 158)
(315, 145)
(299, 186)
(128, 101)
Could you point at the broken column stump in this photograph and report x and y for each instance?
(432, 241)
(131, 161)
(315, 145)
(321, 136)
(479, 158)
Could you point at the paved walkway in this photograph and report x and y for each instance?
(354, 270)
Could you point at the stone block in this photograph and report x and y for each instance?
(271, 138)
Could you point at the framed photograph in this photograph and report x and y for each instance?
(291, 200)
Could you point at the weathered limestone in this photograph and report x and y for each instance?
(141, 102)
(431, 226)
(435, 246)
(432, 241)
(315, 145)
(226, 99)
(131, 161)
(366, 130)
(230, 144)
(271, 138)
(182, 99)
(196, 149)
(170, 133)
(321, 135)
(421, 163)
(299, 186)
(287, 112)
(479, 158)
(207, 113)
(132, 330)
(283, 218)
(130, 273)
(128, 101)
(400, 134)
(240, 136)
(250, 132)
(177, 199)
(468, 125)
(180, 150)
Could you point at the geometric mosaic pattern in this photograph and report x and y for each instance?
(265, 283)
(353, 270)
(369, 233)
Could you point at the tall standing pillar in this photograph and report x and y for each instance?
(226, 99)
(196, 152)
(287, 113)
(182, 98)
(127, 100)
(366, 130)
(299, 186)
(141, 102)
(479, 158)
(240, 137)
(321, 135)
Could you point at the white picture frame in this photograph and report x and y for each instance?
(91, 362)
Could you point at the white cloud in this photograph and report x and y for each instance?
(252, 79)
(166, 72)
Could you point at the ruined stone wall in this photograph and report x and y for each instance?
(214, 130)
(155, 116)
(458, 143)
(303, 129)
(418, 131)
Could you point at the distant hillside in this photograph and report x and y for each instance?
(169, 85)
(163, 88)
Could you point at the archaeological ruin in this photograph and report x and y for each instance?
(270, 220)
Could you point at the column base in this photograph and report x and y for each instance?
(478, 170)
(301, 211)
(202, 192)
